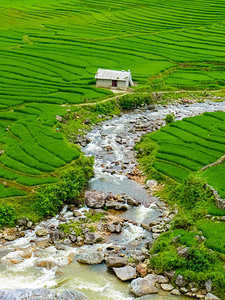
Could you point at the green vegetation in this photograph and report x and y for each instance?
(91, 217)
(132, 101)
(185, 146)
(169, 118)
(50, 52)
(49, 199)
(200, 263)
(7, 216)
(175, 156)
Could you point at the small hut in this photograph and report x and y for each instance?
(113, 79)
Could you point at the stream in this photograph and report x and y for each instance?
(112, 145)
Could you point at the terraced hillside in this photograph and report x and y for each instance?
(50, 51)
(187, 146)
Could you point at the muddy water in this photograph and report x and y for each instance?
(112, 143)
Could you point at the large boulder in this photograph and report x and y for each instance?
(116, 262)
(91, 257)
(28, 294)
(92, 238)
(125, 273)
(95, 199)
(72, 295)
(144, 286)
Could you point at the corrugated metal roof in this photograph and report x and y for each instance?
(113, 75)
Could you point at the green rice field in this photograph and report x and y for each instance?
(50, 51)
(188, 145)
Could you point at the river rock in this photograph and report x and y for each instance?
(54, 235)
(116, 262)
(28, 294)
(125, 273)
(95, 199)
(175, 292)
(110, 204)
(77, 213)
(73, 238)
(167, 287)
(59, 118)
(210, 296)
(41, 232)
(170, 274)
(46, 263)
(132, 202)
(151, 183)
(72, 295)
(12, 258)
(10, 238)
(162, 279)
(92, 238)
(121, 206)
(141, 270)
(91, 257)
(111, 228)
(180, 281)
(144, 286)
(183, 252)
(208, 286)
(26, 253)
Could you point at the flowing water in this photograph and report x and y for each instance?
(112, 144)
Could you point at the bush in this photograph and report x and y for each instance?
(182, 223)
(169, 118)
(200, 260)
(167, 260)
(7, 216)
(132, 101)
(192, 193)
(49, 199)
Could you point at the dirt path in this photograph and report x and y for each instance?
(102, 101)
(132, 92)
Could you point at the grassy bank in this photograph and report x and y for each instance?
(174, 156)
(38, 199)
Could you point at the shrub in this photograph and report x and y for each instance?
(49, 199)
(167, 260)
(132, 101)
(194, 191)
(169, 118)
(200, 260)
(182, 223)
(7, 216)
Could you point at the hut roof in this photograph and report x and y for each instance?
(113, 75)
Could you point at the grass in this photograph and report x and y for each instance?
(187, 146)
(214, 232)
(175, 155)
(49, 55)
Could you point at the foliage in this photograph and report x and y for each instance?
(169, 118)
(72, 226)
(94, 217)
(131, 101)
(7, 216)
(192, 192)
(49, 199)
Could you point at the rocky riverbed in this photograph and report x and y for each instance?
(102, 248)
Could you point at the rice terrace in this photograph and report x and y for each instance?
(66, 143)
